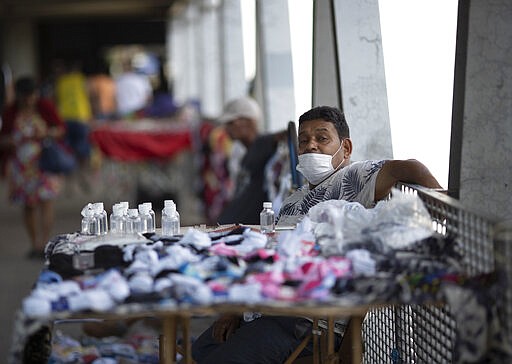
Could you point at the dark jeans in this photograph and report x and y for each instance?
(268, 339)
(77, 137)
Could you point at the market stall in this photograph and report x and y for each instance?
(418, 275)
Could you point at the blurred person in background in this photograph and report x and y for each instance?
(133, 92)
(102, 91)
(26, 122)
(242, 119)
(162, 104)
(74, 107)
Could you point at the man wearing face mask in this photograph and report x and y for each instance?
(324, 149)
(324, 159)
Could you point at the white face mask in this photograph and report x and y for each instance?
(316, 167)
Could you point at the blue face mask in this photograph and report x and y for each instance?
(316, 167)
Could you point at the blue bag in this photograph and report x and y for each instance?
(55, 158)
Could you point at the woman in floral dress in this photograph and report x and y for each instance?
(25, 124)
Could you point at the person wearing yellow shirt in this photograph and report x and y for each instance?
(73, 104)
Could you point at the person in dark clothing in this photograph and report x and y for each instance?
(242, 119)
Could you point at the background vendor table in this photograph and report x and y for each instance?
(143, 139)
(149, 160)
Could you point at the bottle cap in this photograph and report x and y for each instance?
(88, 210)
(143, 208)
(168, 203)
(169, 210)
(149, 204)
(97, 207)
(117, 210)
(133, 212)
(124, 204)
(267, 205)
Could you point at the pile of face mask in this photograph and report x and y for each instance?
(396, 223)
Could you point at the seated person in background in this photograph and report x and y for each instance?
(242, 119)
(324, 159)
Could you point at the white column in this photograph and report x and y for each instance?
(183, 53)
(209, 71)
(363, 82)
(275, 63)
(233, 68)
(326, 84)
(176, 51)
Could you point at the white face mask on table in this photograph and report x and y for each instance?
(316, 167)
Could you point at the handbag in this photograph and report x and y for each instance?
(56, 158)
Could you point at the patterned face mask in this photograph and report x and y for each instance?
(316, 167)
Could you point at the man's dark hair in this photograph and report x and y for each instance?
(330, 114)
(25, 86)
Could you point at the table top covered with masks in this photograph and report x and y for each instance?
(340, 260)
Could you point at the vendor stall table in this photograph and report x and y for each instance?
(421, 329)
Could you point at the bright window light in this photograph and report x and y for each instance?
(418, 40)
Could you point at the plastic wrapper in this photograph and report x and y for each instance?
(392, 224)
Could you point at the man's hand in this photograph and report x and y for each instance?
(225, 326)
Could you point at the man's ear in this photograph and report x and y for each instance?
(347, 148)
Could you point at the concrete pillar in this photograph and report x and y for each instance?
(275, 63)
(363, 82)
(232, 48)
(183, 52)
(326, 83)
(176, 43)
(485, 163)
(209, 53)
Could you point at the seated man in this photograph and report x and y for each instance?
(324, 149)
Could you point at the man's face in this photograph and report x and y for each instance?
(236, 128)
(320, 136)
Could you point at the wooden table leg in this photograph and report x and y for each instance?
(316, 346)
(187, 347)
(332, 356)
(168, 339)
(356, 326)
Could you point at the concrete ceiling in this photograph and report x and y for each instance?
(12, 9)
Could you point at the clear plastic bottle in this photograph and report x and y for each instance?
(125, 206)
(152, 227)
(101, 215)
(89, 221)
(146, 221)
(117, 219)
(267, 221)
(133, 222)
(170, 219)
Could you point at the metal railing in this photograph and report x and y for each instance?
(425, 333)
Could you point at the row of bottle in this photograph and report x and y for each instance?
(126, 220)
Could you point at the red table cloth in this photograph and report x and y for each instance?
(141, 140)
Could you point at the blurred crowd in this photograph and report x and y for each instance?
(75, 98)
